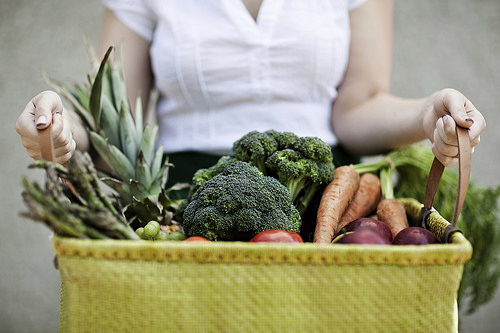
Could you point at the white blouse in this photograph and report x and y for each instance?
(221, 74)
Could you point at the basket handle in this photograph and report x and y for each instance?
(436, 171)
(47, 151)
(46, 144)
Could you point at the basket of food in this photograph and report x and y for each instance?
(272, 238)
(274, 282)
(130, 286)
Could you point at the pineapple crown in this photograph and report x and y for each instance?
(135, 169)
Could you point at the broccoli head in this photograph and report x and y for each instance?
(238, 203)
(315, 149)
(255, 147)
(200, 177)
(303, 164)
(284, 140)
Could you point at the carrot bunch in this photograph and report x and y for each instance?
(335, 199)
(353, 194)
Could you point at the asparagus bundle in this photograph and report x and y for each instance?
(86, 213)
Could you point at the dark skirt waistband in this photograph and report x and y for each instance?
(185, 164)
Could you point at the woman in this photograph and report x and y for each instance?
(317, 68)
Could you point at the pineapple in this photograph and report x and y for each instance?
(135, 170)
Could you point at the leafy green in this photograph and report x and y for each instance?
(479, 219)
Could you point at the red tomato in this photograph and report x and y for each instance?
(196, 239)
(277, 236)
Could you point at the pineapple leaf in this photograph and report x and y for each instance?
(143, 211)
(120, 187)
(81, 95)
(110, 121)
(158, 164)
(95, 94)
(107, 85)
(129, 140)
(114, 157)
(118, 88)
(148, 142)
(143, 175)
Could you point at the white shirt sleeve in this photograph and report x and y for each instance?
(135, 14)
(353, 4)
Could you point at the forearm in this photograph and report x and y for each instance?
(134, 57)
(380, 123)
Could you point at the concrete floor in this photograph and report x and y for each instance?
(437, 44)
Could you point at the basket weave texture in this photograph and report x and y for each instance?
(145, 286)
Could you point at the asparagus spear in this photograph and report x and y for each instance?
(89, 215)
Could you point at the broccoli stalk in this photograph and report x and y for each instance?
(290, 169)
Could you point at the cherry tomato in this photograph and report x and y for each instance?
(277, 236)
(196, 239)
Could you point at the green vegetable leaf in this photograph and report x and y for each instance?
(113, 156)
(110, 121)
(148, 142)
(95, 95)
(128, 139)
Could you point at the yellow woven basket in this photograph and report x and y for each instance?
(145, 286)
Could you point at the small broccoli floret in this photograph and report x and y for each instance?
(290, 168)
(315, 149)
(238, 203)
(285, 140)
(200, 177)
(255, 147)
(302, 176)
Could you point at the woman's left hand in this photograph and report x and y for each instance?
(451, 108)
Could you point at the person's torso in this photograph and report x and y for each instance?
(221, 74)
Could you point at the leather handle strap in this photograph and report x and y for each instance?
(48, 154)
(46, 144)
(437, 169)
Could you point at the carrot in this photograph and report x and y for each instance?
(365, 200)
(392, 212)
(334, 201)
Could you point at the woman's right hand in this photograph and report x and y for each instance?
(44, 109)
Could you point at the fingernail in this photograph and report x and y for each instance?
(445, 119)
(469, 119)
(41, 121)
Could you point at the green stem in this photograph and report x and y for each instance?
(372, 167)
(386, 183)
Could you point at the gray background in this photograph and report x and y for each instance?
(437, 44)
